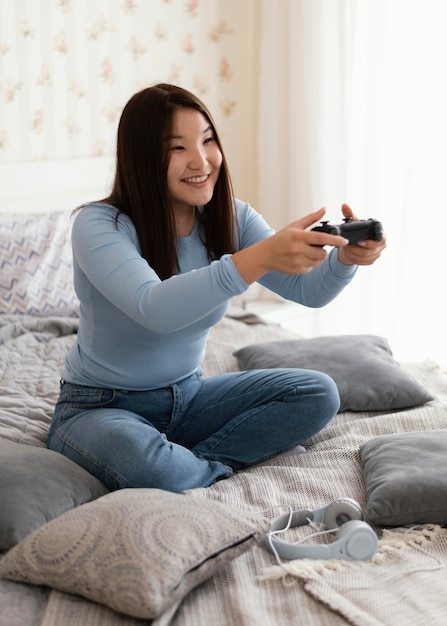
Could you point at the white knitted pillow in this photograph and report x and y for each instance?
(138, 551)
(36, 268)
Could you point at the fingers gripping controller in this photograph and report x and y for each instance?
(355, 540)
(353, 231)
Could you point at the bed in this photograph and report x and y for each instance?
(72, 553)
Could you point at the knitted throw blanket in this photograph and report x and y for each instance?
(404, 583)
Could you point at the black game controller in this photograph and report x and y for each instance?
(353, 231)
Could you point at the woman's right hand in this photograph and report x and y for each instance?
(292, 250)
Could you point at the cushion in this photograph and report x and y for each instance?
(367, 376)
(405, 478)
(36, 485)
(230, 334)
(138, 551)
(36, 270)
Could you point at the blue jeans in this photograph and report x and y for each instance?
(194, 432)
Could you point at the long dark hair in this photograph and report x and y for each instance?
(140, 187)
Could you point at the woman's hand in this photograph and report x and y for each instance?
(292, 250)
(363, 253)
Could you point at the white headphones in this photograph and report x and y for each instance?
(355, 540)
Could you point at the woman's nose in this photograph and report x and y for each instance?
(198, 159)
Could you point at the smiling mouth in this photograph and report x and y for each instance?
(196, 179)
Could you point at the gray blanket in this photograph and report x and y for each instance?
(32, 351)
(247, 592)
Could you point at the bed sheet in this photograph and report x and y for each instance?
(31, 356)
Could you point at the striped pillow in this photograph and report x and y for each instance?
(36, 269)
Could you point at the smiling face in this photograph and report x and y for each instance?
(194, 160)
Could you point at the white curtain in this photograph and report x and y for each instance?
(353, 107)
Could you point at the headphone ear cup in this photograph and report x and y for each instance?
(341, 511)
(356, 541)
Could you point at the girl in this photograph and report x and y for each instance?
(155, 265)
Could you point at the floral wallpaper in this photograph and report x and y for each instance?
(67, 67)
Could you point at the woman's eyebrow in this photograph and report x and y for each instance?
(207, 129)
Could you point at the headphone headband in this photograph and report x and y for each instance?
(355, 539)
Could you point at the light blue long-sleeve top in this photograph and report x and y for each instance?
(138, 332)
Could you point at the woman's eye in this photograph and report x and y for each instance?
(177, 148)
(209, 140)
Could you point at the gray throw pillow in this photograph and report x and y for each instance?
(367, 376)
(405, 478)
(37, 485)
(137, 551)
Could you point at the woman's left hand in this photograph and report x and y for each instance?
(363, 253)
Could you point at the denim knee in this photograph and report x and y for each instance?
(330, 397)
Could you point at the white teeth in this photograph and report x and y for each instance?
(196, 179)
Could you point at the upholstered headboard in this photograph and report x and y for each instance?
(42, 186)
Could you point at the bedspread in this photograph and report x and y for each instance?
(32, 350)
(251, 590)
